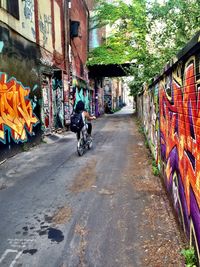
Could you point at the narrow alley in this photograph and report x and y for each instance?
(103, 209)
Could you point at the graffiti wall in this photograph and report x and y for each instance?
(101, 100)
(58, 108)
(68, 107)
(151, 119)
(20, 95)
(82, 95)
(45, 24)
(46, 109)
(107, 95)
(171, 117)
(16, 111)
(180, 142)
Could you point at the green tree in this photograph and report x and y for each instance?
(147, 33)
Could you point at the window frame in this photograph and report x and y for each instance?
(10, 8)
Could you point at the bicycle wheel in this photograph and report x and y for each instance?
(80, 147)
(90, 143)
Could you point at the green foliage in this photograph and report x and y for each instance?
(116, 109)
(141, 129)
(181, 20)
(146, 144)
(154, 163)
(155, 169)
(144, 32)
(190, 257)
(25, 147)
(110, 53)
(126, 39)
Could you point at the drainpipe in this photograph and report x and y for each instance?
(88, 33)
(66, 51)
(66, 34)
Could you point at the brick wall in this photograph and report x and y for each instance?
(79, 44)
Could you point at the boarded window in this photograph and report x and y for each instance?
(12, 7)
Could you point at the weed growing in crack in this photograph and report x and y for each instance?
(190, 257)
(146, 144)
(155, 169)
(141, 129)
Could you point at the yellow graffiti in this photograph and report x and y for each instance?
(16, 111)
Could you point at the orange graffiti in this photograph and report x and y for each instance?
(16, 113)
(180, 126)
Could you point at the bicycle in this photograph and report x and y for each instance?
(84, 142)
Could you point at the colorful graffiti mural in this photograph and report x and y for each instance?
(16, 111)
(107, 96)
(46, 111)
(58, 108)
(151, 119)
(171, 116)
(180, 143)
(83, 95)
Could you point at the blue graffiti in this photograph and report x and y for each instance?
(1, 46)
(29, 9)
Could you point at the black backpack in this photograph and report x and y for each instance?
(76, 122)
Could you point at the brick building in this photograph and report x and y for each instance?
(78, 53)
(43, 51)
(41, 61)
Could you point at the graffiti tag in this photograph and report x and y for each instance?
(45, 27)
(180, 130)
(29, 9)
(16, 112)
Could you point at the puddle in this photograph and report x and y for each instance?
(30, 251)
(25, 233)
(48, 219)
(55, 235)
(44, 226)
(42, 232)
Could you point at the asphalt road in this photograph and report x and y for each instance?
(61, 210)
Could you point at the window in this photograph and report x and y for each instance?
(3, 4)
(12, 7)
(74, 28)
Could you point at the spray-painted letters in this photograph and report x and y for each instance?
(180, 144)
(175, 102)
(16, 112)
